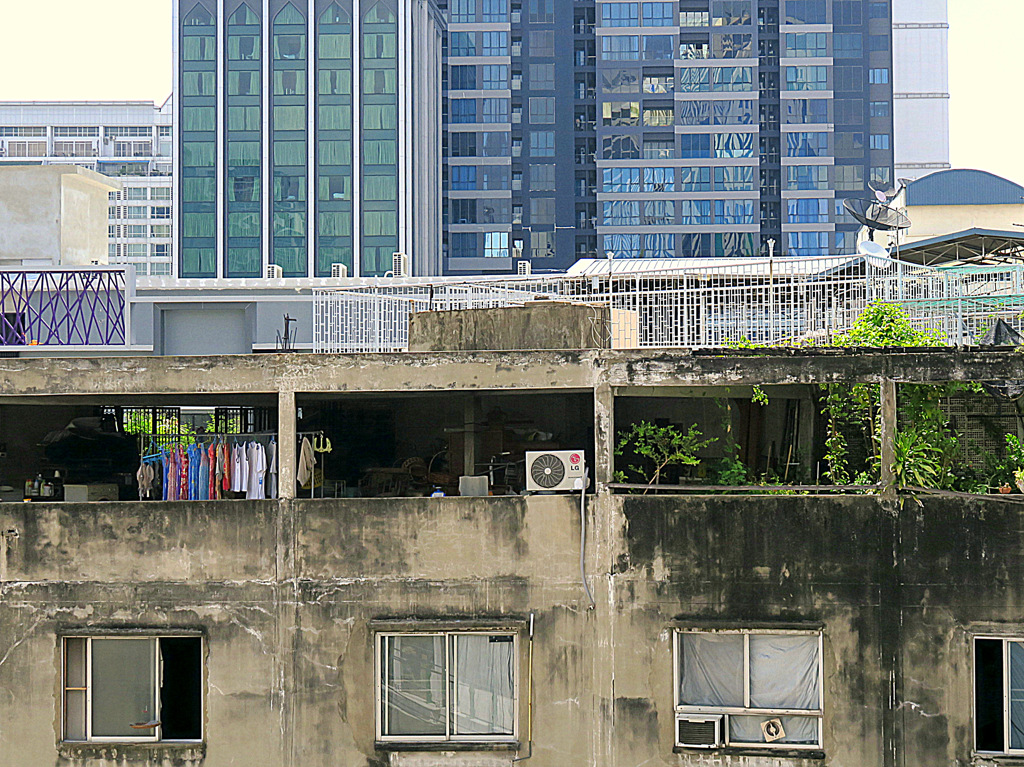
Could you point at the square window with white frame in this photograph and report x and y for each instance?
(130, 688)
(448, 686)
(748, 689)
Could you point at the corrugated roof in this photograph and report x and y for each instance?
(964, 187)
(749, 266)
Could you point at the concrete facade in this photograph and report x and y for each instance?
(53, 216)
(126, 140)
(289, 596)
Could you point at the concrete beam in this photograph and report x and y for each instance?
(888, 437)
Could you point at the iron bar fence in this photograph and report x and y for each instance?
(711, 304)
(64, 307)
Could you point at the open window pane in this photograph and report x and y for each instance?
(799, 730)
(181, 694)
(414, 694)
(784, 672)
(711, 669)
(988, 694)
(123, 687)
(484, 685)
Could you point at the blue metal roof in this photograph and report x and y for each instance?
(964, 187)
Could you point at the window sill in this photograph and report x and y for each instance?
(165, 751)
(774, 753)
(388, 745)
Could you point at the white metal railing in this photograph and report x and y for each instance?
(714, 303)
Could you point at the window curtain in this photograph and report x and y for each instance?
(380, 188)
(290, 118)
(198, 119)
(335, 224)
(380, 46)
(380, 117)
(335, 117)
(336, 152)
(290, 153)
(243, 118)
(379, 223)
(244, 153)
(287, 224)
(335, 47)
(243, 261)
(415, 695)
(243, 224)
(711, 669)
(484, 684)
(383, 152)
(335, 82)
(198, 225)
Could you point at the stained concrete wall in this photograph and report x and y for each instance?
(53, 215)
(288, 596)
(538, 325)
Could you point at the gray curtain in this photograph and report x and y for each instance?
(711, 670)
(784, 671)
(1016, 695)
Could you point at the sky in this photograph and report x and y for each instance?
(121, 50)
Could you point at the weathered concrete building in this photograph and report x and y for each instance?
(787, 629)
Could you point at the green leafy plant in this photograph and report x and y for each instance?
(759, 396)
(661, 447)
(917, 462)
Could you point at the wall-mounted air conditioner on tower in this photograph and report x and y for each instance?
(400, 265)
(698, 731)
(274, 272)
(339, 270)
(555, 470)
(524, 268)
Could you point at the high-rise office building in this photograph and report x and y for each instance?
(128, 140)
(309, 136)
(666, 129)
(920, 44)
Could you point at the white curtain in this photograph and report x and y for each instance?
(784, 671)
(484, 685)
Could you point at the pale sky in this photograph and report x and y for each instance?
(121, 49)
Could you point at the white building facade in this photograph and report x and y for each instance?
(130, 141)
(920, 40)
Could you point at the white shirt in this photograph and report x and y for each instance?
(257, 471)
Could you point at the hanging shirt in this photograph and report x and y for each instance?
(183, 468)
(204, 474)
(272, 469)
(211, 463)
(163, 462)
(173, 483)
(307, 460)
(243, 469)
(257, 472)
(224, 461)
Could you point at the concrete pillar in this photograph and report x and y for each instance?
(888, 437)
(604, 436)
(286, 455)
(471, 425)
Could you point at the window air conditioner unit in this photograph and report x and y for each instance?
(698, 731)
(524, 269)
(274, 272)
(400, 265)
(339, 270)
(556, 470)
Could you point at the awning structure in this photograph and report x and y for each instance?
(971, 246)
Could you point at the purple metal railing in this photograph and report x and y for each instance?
(63, 307)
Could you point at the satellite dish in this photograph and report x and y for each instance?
(872, 249)
(876, 216)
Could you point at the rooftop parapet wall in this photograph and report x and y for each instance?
(446, 371)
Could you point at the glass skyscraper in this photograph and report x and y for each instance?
(665, 129)
(309, 136)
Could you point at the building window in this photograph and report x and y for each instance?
(131, 688)
(542, 110)
(879, 141)
(542, 144)
(495, 43)
(758, 689)
(878, 76)
(694, 19)
(806, 45)
(998, 704)
(847, 45)
(806, 78)
(879, 109)
(542, 77)
(805, 12)
(878, 10)
(620, 48)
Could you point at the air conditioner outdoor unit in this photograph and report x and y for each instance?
(524, 269)
(400, 264)
(698, 731)
(339, 270)
(274, 272)
(555, 470)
